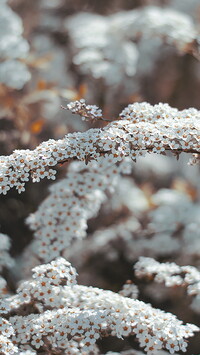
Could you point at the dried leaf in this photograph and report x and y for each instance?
(37, 126)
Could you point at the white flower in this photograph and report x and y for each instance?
(37, 341)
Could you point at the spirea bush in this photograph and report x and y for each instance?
(50, 313)
(106, 260)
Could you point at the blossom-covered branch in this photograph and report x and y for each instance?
(62, 217)
(57, 312)
(141, 128)
(171, 275)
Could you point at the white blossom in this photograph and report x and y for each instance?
(171, 274)
(86, 313)
(103, 46)
(160, 124)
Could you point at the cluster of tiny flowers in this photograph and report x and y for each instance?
(103, 46)
(142, 128)
(45, 288)
(171, 26)
(52, 313)
(13, 46)
(101, 51)
(6, 331)
(87, 112)
(172, 129)
(129, 290)
(63, 216)
(125, 316)
(45, 293)
(170, 273)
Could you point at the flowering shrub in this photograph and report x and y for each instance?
(142, 128)
(124, 196)
(62, 217)
(76, 316)
(103, 45)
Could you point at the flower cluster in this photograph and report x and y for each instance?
(103, 46)
(13, 46)
(142, 128)
(172, 275)
(44, 291)
(6, 331)
(68, 313)
(62, 217)
(95, 217)
(87, 112)
(99, 50)
(130, 290)
(172, 26)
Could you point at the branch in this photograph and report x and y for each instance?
(66, 311)
(62, 216)
(142, 128)
(171, 274)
